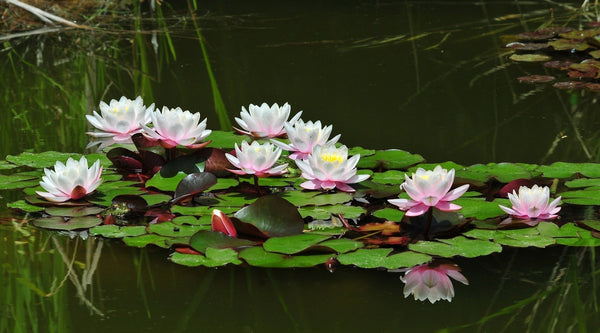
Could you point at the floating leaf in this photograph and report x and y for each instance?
(204, 239)
(147, 239)
(213, 258)
(193, 184)
(312, 198)
(171, 229)
(272, 215)
(390, 214)
(24, 206)
(569, 85)
(568, 44)
(566, 170)
(342, 245)
(73, 211)
(324, 212)
(257, 256)
(115, 231)
(458, 246)
(292, 244)
(530, 57)
(480, 209)
(168, 184)
(59, 223)
(390, 159)
(536, 78)
(375, 258)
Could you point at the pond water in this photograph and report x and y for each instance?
(428, 77)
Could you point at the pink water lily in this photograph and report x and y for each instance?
(304, 137)
(173, 127)
(429, 188)
(118, 121)
(265, 121)
(328, 167)
(256, 159)
(532, 203)
(72, 180)
(432, 282)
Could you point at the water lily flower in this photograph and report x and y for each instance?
(119, 120)
(265, 121)
(532, 203)
(328, 167)
(432, 283)
(256, 159)
(304, 136)
(429, 189)
(173, 127)
(71, 181)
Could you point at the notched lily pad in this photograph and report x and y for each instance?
(390, 159)
(60, 223)
(73, 211)
(293, 244)
(204, 239)
(375, 258)
(257, 256)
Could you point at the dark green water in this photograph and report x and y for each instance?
(427, 77)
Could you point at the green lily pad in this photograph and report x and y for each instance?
(115, 231)
(59, 223)
(530, 57)
(312, 198)
(390, 214)
(11, 182)
(24, 206)
(458, 246)
(293, 244)
(582, 197)
(213, 258)
(360, 150)
(221, 139)
(390, 159)
(148, 239)
(566, 170)
(325, 212)
(73, 211)
(569, 44)
(375, 258)
(164, 183)
(272, 215)
(171, 229)
(224, 183)
(342, 245)
(583, 182)
(204, 239)
(257, 256)
(42, 160)
(481, 209)
(393, 177)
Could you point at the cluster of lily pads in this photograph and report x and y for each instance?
(168, 181)
(577, 52)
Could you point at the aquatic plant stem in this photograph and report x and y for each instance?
(256, 185)
(429, 220)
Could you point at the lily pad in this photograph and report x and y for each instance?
(168, 184)
(390, 214)
(375, 258)
(59, 223)
(204, 239)
(148, 239)
(312, 198)
(257, 256)
(324, 212)
(292, 244)
(171, 229)
(390, 159)
(530, 57)
(115, 231)
(536, 78)
(24, 206)
(272, 215)
(480, 209)
(458, 246)
(73, 211)
(212, 258)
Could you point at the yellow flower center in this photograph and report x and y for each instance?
(328, 157)
(424, 177)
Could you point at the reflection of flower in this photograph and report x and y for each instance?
(119, 120)
(532, 203)
(429, 189)
(328, 167)
(256, 159)
(432, 283)
(265, 121)
(174, 127)
(304, 136)
(71, 181)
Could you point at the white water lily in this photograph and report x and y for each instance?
(71, 181)
(429, 188)
(304, 137)
(173, 127)
(328, 167)
(118, 121)
(256, 159)
(532, 203)
(265, 121)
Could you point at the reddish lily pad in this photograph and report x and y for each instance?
(193, 184)
(569, 44)
(536, 78)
